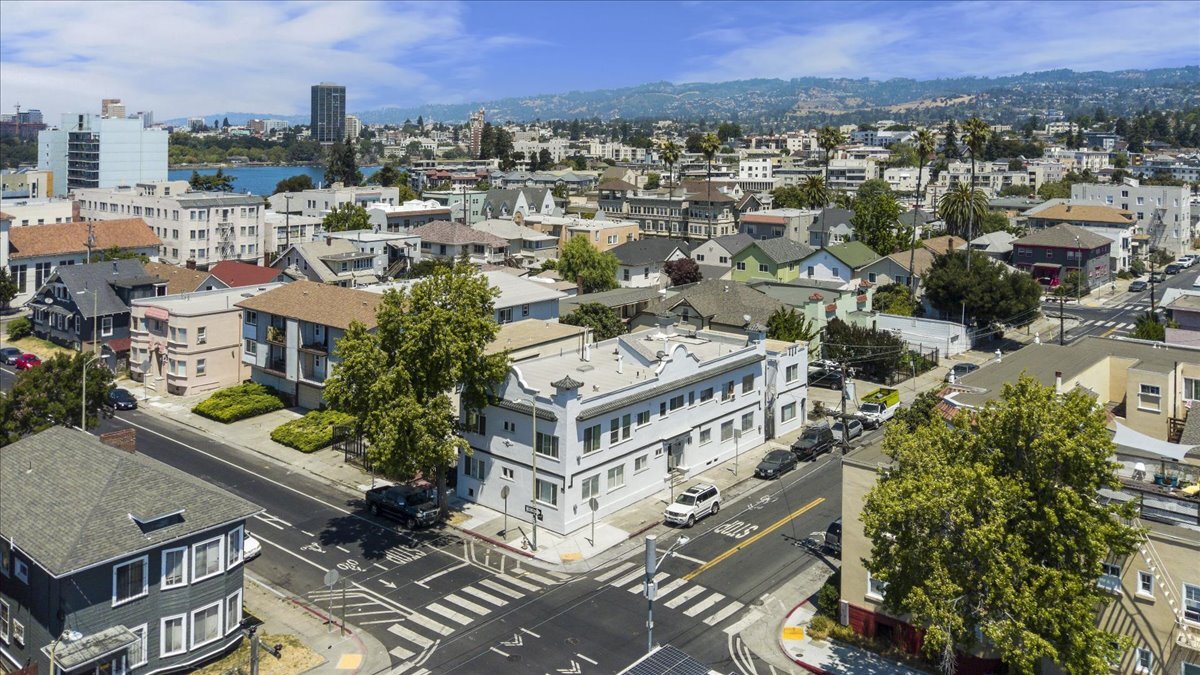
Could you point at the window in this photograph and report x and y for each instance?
(174, 568)
(747, 384)
(726, 430)
(1191, 389)
(591, 439)
(875, 587)
(748, 421)
(676, 402)
(643, 418)
(547, 492)
(476, 423)
(475, 468)
(5, 618)
(234, 545)
(640, 464)
(233, 612)
(741, 266)
(811, 271)
(1191, 602)
(547, 445)
(251, 348)
(727, 392)
(18, 633)
(1143, 660)
(106, 326)
(505, 315)
(250, 317)
(788, 412)
(616, 477)
(202, 335)
(206, 559)
(1149, 397)
(137, 651)
(171, 636)
(21, 569)
(507, 473)
(206, 625)
(1145, 584)
(201, 366)
(130, 580)
(1110, 577)
(792, 373)
(1190, 669)
(591, 486)
(763, 268)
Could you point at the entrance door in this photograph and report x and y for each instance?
(674, 454)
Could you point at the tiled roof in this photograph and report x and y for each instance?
(236, 273)
(783, 250)
(1091, 213)
(1063, 236)
(317, 303)
(649, 251)
(943, 243)
(445, 232)
(70, 501)
(62, 238)
(179, 279)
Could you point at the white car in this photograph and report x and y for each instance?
(1187, 260)
(693, 504)
(251, 549)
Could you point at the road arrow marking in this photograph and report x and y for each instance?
(387, 583)
(516, 641)
(573, 670)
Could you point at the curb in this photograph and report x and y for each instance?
(807, 666)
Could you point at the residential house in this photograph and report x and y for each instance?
(442, 240)
(466, 205)
(777, 259)
(1051, 253)
(774, 223)
(180, 279)
(523, 298)
(392, 252)
(329, 260)
(191, 342)
(33, 253)
(726, 306)
(610, 423)
(842, 262)
(233, 274)
(895, 268)
(289, 334)
(407, 216)
(819, 302)
(532, 338)
(626, 302)
(532, 247)
(1116, 224)
(831, 227)
(112, 562)
(507, 203)
(642, 261)
(715, 256)
(86, 307)
(995, 245)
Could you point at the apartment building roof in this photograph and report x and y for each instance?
(445, 232)
(1063, 235)
(201, 303)
(323, 304)
(62, 238)
(522, 334)
(206, 200)
(516, 290)
(235, 273)
(617, 297)
(1091, 213)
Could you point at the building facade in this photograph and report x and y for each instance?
(88, 151)
(328, 113)
(1050, 254)
(1161, 211)
(318, 202)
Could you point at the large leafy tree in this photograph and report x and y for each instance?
(875, 354)
(682, 271)
(8, 287)
(295, 183)
(602, 319)
(397, 380)
(814, 193)
(347, 216)
(988, 291)
(217, 182)
(50, 394)
(876, 218)
(894, 299)
(790, 325)
(342, 166)
(992, 530)
(960, 207)
(583, 263)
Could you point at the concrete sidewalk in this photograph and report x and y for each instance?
(830, 656)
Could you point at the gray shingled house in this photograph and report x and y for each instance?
(111, 561)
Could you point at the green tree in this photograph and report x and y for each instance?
(545, 160)
(297, 183)
(19, 328)
(217, 182)
(398, 379)
(960, 207)
(50, 394)
(950, 140)
(875, 354)
(828, 138)
(894, 299)
(682, 271)
(8, 287)
(994, 222)
(345, 217)
(876, 220)
(814, 193)
(921, 411)
(653, 180)
(670, 154)
(902, 155)
(342, 166)
(583, 263)
(989, 292)
(976, 136)
(387, 176)
(991, 532)
(601, 319)
(728, 131)
(789, 325)
(1148, 327)
(1016, 191)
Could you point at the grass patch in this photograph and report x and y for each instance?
(311, 432)
(295, 658)
(238, 403)
(43, 348)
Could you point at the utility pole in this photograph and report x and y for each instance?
(1061, 331)
(651, 566)
(533, 446)
(845, 424)
(287, 221)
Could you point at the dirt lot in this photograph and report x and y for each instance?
(296, 659)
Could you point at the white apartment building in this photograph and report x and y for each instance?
(204, 227)
(284, 229)
(848, 174)
(89, 151)
(621, 153)
(634, 417)
(317, 202)
(1093, 160)
(557, 147)
(37, 211)
(1161, 211)
(903, 178)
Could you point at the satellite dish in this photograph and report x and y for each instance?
(746, 318)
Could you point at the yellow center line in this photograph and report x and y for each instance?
(774, 526)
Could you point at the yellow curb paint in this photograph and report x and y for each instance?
(570, 557)
(349, 661)
(793, 632)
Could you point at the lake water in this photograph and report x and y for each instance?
(261, 180)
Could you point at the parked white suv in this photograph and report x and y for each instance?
(693, 504)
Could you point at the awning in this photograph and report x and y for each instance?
(157, 313)
(1132, 442)
(72, 654)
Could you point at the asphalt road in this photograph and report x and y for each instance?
(1117, 316)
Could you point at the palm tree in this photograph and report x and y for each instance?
(960, 207)
(976, 133)
(813, 193)
(828, 138)
(710, 144)
(670, 155)
(924, 143)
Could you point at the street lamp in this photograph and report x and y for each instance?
(66, 636)
(651, 588)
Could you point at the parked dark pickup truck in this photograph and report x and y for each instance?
(412, 506)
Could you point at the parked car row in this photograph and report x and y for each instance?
(19, 359)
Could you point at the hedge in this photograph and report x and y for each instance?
(311, 432)
(238, 403)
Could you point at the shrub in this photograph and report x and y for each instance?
(19, 328)
(311, 432)
(820, 627)
(238, 403)
(829, 595)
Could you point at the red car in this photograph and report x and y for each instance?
(27, 361)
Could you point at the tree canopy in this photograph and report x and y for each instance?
(218, 182)
(876, 218)
(347, 216)
(8, 287)
(296, 183)
(342, 166)
(789, 325)
(875, 354)
(50, 395)
(601, 319)
(963, 208)
(581, 262)
(991, 529)
(992, 293)
(682, 271)
(895, 299)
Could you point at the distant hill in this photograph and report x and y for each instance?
(766, 100)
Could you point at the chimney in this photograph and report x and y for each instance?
(190, 264)
(124, 439)
(587, 352)
(1058, 382)
(328, 240)
(620, 363)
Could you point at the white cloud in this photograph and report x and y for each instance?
(180, 58)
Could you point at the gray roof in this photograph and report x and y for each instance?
(99, 278)
(617, 297)
(204, 200)
(993, 242)
(734, 243)
(70, 501)
(914, 216)
(722, 302)
(567, 382)
(783, 250)
(649, 251)
(1064, 236)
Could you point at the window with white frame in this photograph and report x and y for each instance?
(137, 651)
(507, 473)
(1190, 669)
(616, 477)
(640, 464)
(106, 326)
(5, 619)
(591, 439)
(130, 580)
(18, 633)
(590, 486)
(875, 588)
(251, 347)
(748, 421)
(1145, 583)
(233, 611)
(475, 468)
(643, 418)
(1149, 397)
(726, 430)
(1110, 577)
(172, 636)
(206, 625)
(547, 445)
(206, 559)
(705, 435)
(1191, 602)
(174, 567)
(788, 412)
(1143, 660)
(234, 541)
(21, 569)
(547, 492)
(1191, 389)
(706, 394)
(792, 373)
(201, 366)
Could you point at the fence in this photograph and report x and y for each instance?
(352, 446)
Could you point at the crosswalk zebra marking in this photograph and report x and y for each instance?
(670, 588)
(684, 596)
(521, 584)
(545, 581)
(467, 605)
(401, 653)
(485, 596)
(639, 587)
(619, 569)
(413, 637)
(457, 617)
(743, 623)
(725, 612)
(502, 590)
(704, 605)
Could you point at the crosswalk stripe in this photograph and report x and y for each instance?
(620, 583)
(485, 596)
(640, 586)
(1110, 324)
(704, 604)
(545, 581)
(401, 653)
(561, 576)
(744, 622)
(670, 588)
(502, 590)
(449, 613)
(467, 605)
(725, 613)
(619, 569)
(684, 596)
(415, 638)
(520, 584)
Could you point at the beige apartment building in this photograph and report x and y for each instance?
(191, 342)
(1148, 390)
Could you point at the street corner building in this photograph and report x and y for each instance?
(111, 561)
(628, 418)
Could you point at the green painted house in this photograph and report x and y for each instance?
(770, 259)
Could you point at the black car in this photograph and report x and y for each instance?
(1174, 268)
(814, 442)
(1138, 286)
(412, 506)
(961, 369)
(775, 464)
(122, 399)
(9, 355)
(830, 379)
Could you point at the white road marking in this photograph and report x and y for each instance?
(529, 632)
(384, 601)
(641, 586)
(343, 550)
(504, 654)
(614, 572)
(620, 582)
(520, 584)
(1110, 324)
(503, 590)
(450, 614)
(704, 604)
(415, 638)
(725, 613)
(745, 622)
(684, 596)
(545, 581)
(467, 605)
(587, 659)
(670, 588)
(380, 566)
(690, 559)
(485, 596)
(438, 574)
(401, 653)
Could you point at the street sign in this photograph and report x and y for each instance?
(594, 504)
(331, 578)
(504, 492)
(535, 512)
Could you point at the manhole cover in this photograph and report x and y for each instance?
(513, 658)
(572, 641)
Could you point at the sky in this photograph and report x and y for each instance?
(202, 58)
